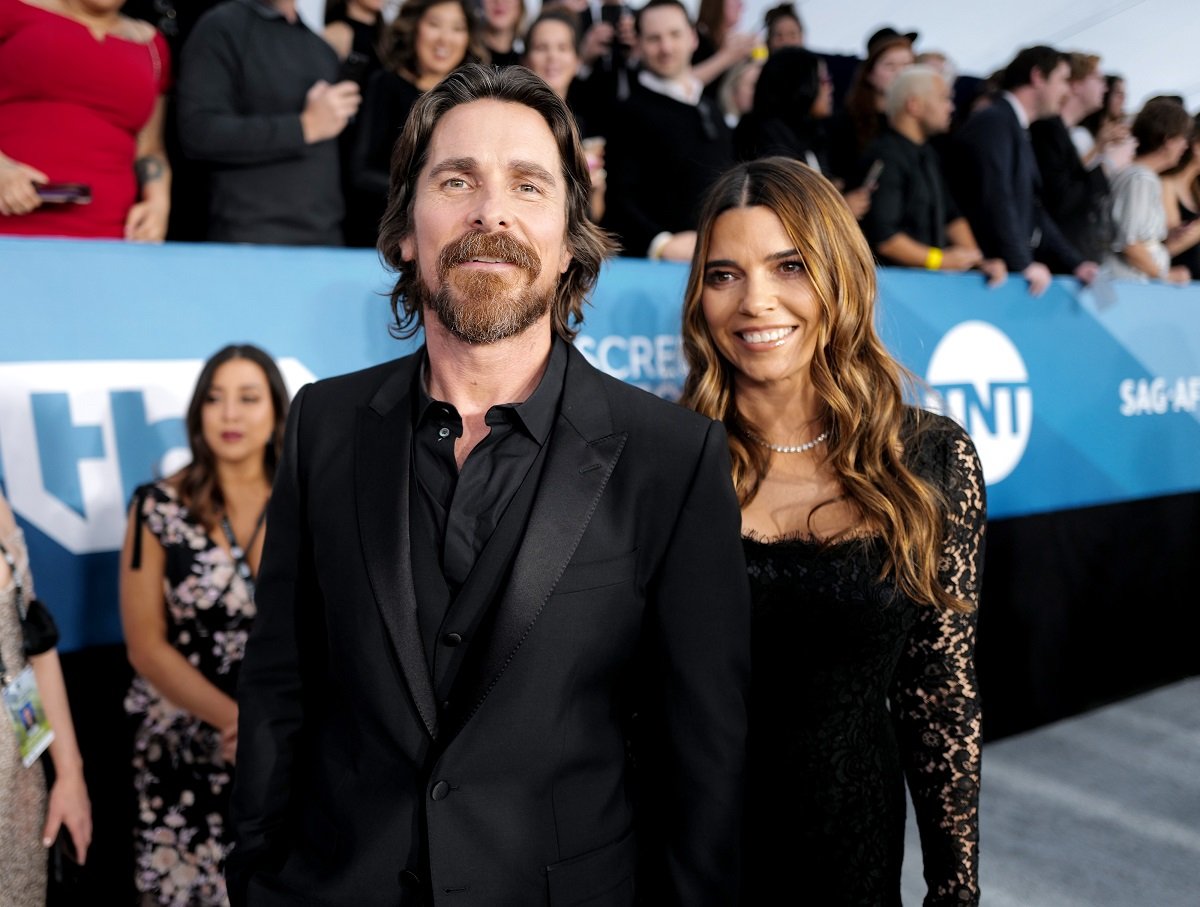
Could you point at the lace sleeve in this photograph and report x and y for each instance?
(935, 700)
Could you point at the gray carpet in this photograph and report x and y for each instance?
(1101, 810)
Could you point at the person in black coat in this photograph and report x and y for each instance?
(502, 648)
(792, 100)
(995, 178)
(1075, 186)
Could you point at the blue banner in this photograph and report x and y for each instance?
(1073, 399)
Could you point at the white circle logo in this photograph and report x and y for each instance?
(982, 384)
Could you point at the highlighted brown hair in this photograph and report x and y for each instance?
(857, 380)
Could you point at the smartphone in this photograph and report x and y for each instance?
(871, 180)
(64, 193)
(355, 67)
(65, 867)
(612, 13)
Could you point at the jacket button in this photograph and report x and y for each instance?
(451, 639)
(440, 791)
(410, 879)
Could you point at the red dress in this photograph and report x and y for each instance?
(72, 106)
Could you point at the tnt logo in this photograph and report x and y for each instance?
(77, 437)
(982, 384)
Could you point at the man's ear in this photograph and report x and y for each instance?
(408, 250)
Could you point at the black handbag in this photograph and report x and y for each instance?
(39, 632)
(39, 629)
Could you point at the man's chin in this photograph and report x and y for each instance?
(488, 311)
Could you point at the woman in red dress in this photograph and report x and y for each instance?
(81, 101)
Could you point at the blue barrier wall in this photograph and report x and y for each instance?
(1072, 400)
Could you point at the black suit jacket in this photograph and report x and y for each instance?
(626, 595)
(996, 183)
(1075, 196)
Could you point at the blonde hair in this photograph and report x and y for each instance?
(857, 380)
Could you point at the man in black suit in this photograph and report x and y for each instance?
(995, 178)
(1074, 183)
(502, 645)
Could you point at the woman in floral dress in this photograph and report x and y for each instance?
(187, 604)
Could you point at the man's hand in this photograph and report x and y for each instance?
(960, 258)
(859, 201)
(17, 182)
(679, 247)
(1086, 272)
(229, 738)
(738, 46)
(147, 222)
(596, 43)
(995, 270)
(1179, 275)
(1038, 276)
(327, 110)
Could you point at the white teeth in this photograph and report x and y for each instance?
(490, 261)
(766, 336)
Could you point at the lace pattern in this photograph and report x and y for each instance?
(858, 689)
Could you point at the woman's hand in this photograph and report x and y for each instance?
(859, 201)
(229, 737)
(17, 182)
(147, 221)
(69, 806)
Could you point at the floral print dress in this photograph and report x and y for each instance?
(183, 785)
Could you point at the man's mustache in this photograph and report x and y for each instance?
(500, 246)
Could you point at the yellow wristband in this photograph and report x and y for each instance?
(933, 259)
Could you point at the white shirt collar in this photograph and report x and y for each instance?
(1022, 116)
(687, 92)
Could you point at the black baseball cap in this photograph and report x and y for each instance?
(887, 35)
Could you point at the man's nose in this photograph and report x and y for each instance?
(491, 210)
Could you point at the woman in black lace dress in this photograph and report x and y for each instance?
(863, 522)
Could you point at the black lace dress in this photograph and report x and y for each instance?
(857, 689)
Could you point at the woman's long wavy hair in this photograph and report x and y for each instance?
(197, 482)
(399, 49)
(857, 380)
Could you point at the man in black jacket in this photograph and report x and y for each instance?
(260, 103)
(502, 646)
(1074, 183)
(994, 173)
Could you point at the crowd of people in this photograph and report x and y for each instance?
(271, 653)
(242, 125)
(405, 553)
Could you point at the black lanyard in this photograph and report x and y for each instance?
(18, 601)
(239, 555)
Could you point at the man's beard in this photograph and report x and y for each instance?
(483, 306)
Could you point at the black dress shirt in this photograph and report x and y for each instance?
(911, 197)
(464, 506)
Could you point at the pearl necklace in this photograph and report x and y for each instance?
(786, 449)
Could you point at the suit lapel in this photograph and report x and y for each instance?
(584, 450)
(381, 479)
